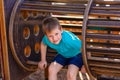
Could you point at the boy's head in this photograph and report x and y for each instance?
(52, 29)
(49, 24)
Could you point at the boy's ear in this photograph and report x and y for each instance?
(61, 28)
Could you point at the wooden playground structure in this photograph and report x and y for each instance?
(95, 22)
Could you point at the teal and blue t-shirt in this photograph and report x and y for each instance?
(69, 45)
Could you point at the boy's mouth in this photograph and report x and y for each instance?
(55, 41)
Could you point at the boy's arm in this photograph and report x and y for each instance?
(43, 63)
(43, 51)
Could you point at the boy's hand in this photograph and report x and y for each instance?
(42, 64)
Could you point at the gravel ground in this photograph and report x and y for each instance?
(39, 75)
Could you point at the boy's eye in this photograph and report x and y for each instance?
(50, 36)
(56, 34)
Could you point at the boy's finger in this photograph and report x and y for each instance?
(45, 65)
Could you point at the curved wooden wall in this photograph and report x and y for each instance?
(101, 37)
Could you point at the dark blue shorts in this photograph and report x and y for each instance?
(76, 60)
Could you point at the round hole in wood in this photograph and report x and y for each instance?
(25, 15)
(27, 51)
(36, 30)
(26, 32)
(37, 47)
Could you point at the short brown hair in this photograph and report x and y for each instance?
(49, 24)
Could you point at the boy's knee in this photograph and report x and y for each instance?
(70, 75)
(50, 68)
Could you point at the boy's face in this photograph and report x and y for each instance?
(54, 36)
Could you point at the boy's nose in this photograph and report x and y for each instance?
(54, 38)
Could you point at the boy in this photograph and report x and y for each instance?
(67, 45)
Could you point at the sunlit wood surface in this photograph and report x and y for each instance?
(3, 40)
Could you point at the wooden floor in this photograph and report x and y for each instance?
(39, 75)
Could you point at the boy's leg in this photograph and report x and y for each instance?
(58, 62)
(72, 72)
(53, 69)
(74, 63)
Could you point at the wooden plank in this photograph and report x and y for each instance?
(104, 44)
(113, 68)
(49, 4)
(103, 36)
(104, 23)
(110, 7)
(107, 2)
(47, 7)
(67, 1)
(103, 50)
(105, 13)
(106, 55)
(5, 62)
(76, 17)
(106, 60)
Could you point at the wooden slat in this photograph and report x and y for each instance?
(107, 2)
(105, 13)
(102, 44)
(68, 17)
(106, 55)
(67, 1)
(32, 62)
(113, 68)
(60, 5)
(106, 8)
(53, 8)
(75, 28)
(105, 60)
(103, 36)
(103, 28)
(103, 23)
(70, 26)
(45, 9)
(103, 50)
